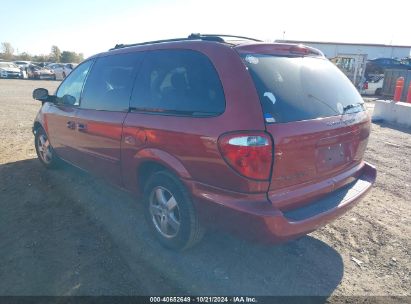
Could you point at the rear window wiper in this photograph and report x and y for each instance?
(323, 102)
(351, 106)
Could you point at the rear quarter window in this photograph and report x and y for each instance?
(181, 82)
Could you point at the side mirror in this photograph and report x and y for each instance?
(69, 100)
(41, 94)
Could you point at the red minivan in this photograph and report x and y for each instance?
(214, 131)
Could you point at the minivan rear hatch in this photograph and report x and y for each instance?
(316, 118)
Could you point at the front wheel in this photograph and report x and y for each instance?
(44, 150)
(170, 212)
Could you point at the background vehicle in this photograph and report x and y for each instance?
(373, 86)
(352, 65)
(9, 70)
(60, 70)
(379, 65)
(406, 61)
(23, 65)
(266, 140)
(42, 64)
(37, 72)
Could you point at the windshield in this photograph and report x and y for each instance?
(7, 65)
(301, 88)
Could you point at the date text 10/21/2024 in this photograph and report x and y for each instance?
(205, 299)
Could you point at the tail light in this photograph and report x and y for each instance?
(365, 85)
(249, 154)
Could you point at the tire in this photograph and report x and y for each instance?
(44, 150)
(378, 92)
(166, 204)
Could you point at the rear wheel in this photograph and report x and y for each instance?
(170, 212)
(44, 150)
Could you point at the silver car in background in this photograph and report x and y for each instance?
(60, 70)
(9, 70)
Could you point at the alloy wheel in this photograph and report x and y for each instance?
(164, 212)
(44, 148)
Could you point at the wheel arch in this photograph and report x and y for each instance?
(145, 170)
(153, 160)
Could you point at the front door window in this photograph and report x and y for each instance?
(70, 90)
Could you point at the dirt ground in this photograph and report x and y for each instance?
(64, 232)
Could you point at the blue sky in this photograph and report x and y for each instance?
(94, 26)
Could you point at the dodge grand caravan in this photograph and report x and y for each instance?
(262, 139)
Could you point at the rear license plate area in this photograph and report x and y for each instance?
(332, 157)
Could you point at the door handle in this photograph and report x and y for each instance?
(81, 127)
(71, 125)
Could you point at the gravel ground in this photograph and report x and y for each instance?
(64, 232)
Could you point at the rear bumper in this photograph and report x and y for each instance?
(45, 76)
(254, 217)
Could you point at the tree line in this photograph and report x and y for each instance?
(56, 55)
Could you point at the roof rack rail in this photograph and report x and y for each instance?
(205, 36)
(120, 46)
(194, 36)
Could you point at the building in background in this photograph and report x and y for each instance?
(352, 58)
(373, 51)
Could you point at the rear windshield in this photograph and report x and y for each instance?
(301, 88)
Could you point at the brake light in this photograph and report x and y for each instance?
(365, 85)
(247, 153)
